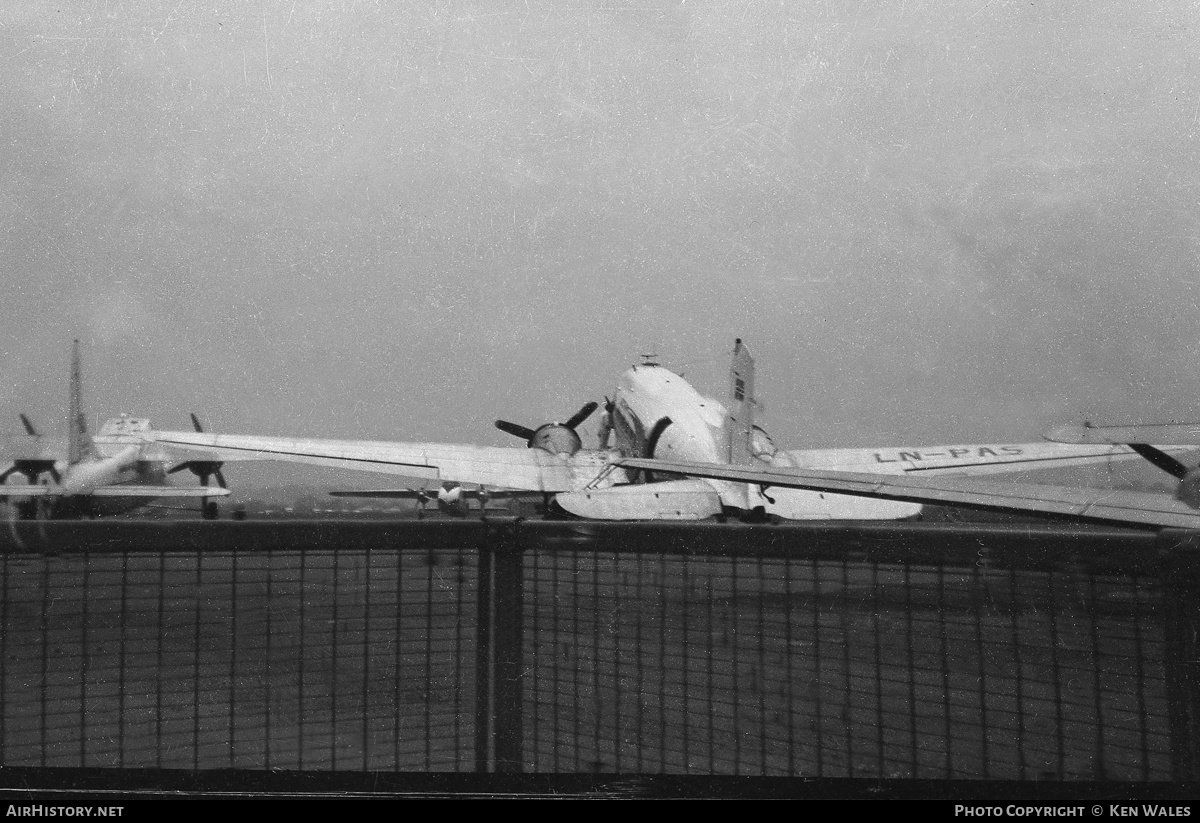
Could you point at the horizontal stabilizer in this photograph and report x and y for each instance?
(1109, 505)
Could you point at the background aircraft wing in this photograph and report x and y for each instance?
(430, 494)
(1112, 506)
(135, 490)
(510, 468)
(31, 490)
(130, 490)
(393, 494)
(34, 447)
(1183, 433)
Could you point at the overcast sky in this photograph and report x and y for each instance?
(930, 221)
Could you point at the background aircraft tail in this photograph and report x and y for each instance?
(740, 422)
(79, 443)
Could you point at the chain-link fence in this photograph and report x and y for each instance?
(833, 651)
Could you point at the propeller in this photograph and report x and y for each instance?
(203, 469)
(29, 429)
(606, 422)
(555, 438)
(1189, 479)
(1161, 460)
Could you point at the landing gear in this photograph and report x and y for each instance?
(203, 469)
(36, 473)
(756, 515)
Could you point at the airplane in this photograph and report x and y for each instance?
(451, 499)
(653, 413)
(112, 473)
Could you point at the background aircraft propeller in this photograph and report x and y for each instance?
(556, 438)
(203, 469)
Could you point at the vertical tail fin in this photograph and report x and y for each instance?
(79, 444)
(740, 423)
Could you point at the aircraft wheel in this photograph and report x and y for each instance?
(209, 511)
(756, 515)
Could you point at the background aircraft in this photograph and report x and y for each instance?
(653, 413)
(84, 477)
(451, 499)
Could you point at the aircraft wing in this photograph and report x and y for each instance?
(1112, 506)
(523, 469)
(129, 490)
(1184, 433)
(977, 459)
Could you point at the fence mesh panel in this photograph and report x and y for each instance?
(546, 648)
(803, 667)
(271, 660)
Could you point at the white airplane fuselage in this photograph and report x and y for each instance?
(656, 413)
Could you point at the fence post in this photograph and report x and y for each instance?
(1181, 593)
(508, 601)
(483, 657)
(499, 650)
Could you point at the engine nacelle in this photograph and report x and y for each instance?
(1189, 489)
(556, 438)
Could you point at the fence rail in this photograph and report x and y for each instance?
(882, 651)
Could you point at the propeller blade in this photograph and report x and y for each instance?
(29, 429)
(606, 424)
(196, 422)
(582, 414)
(1161, 459)
(514, 429)
(179, 468)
